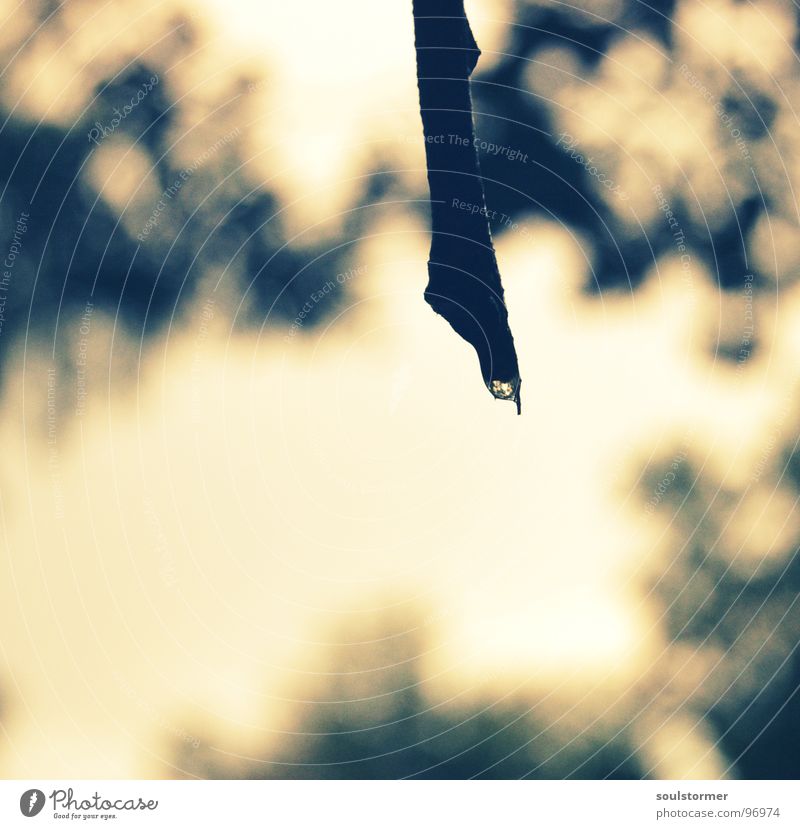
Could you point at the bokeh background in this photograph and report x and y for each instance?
(260, 517)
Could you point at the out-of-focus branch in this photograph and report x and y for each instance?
(464, 281)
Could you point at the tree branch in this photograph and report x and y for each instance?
(463, 278)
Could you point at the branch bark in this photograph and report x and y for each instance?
(463, 278)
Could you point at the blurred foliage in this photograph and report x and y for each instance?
(566, 61)
(731, 618)
(371, 715)
(729, 591)
(89, 200)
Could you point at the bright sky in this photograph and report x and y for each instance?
(248, 492)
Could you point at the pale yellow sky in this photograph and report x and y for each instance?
(247, 493)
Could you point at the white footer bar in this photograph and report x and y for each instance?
(401, 804)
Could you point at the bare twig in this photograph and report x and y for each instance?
(464, 281)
